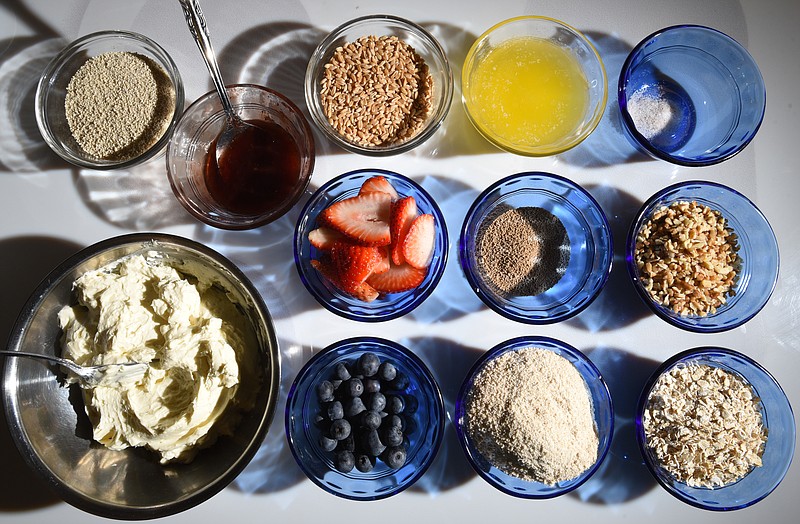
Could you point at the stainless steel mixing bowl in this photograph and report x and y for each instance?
(53, 433)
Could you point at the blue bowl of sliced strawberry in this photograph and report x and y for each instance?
(371, 245)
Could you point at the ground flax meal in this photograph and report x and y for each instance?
(529, 413)
(118, 105)
(522, 251)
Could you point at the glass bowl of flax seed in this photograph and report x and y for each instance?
(702, 256)
(536, 248)
(109, 100)
(378, 85)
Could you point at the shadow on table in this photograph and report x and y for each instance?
(607, 145)
(618, 304)
(449, 363)
(26, 261)
(622, 476)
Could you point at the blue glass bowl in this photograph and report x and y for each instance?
(591, 250)
(777, 418)
(387, 306)
(711, 94)
(424, 438)
(603, 414)
(758, 250)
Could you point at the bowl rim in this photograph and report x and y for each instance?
(644, 142)
(633, 273)
(397, 312)
(263, 220)
(42, 92)
(474, 282)
(597, 114)
(352, 345)
(315, 64)
(10, 400)
(532, 341)
(642, 403)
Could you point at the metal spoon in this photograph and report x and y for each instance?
(234, 126)
(90, 376)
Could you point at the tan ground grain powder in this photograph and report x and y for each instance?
(522, 251)
(530, 414)
(687, 258)
(376, 91)
(704, 425)
(119, 104)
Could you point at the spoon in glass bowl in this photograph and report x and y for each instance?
(90, 376)
(235, 128)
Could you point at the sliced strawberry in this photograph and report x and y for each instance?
(419, 242)
(363, 292)
(385, 263)
(323, 238)
(399, 278)
(354, 263)
(404, 211)
(364, 218)
(378, 184)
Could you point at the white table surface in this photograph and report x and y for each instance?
(49, 210)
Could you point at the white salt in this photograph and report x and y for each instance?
(651, 114)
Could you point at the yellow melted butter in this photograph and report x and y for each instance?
(528, 91)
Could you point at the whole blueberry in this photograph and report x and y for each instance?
(412, 404)
(368, 364)
(364, 463)
(335, 410)
(387, 372)
(327, 444)
(345, 460)
(370, 419)
(353, 407)
(375, 402)
(353, 387)
(395, 457)
(371, 385)
(400, 382)
(347, 444)
(340, 429)
(392, 436)
(342, 371)
(393, 421)
(325, 391)
(395, 404)
(373, 444)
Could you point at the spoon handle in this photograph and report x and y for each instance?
(199, 29)
(61, 361)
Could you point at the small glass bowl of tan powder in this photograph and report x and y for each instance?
(715, 429)
(534, 417)
(379, 85)
(109, 100)
(536, 248)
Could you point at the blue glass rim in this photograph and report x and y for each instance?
(628, 121)
(480, 289)
(699, 353)
(630, 246)
(435, 270)
(549, 344)
(360, 345)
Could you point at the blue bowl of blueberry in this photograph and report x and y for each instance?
(364, 418)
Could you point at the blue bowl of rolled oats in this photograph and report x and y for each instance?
(702, 256)
(715, 429)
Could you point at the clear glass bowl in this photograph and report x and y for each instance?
(565, 37)
(424, 437)
(414, 35)
(51, 94)
(778, 419)
(385, 307)
(758, 251)
(53, 434)
(591, 250)
(713, 95)
(603, 414)
(202, 123)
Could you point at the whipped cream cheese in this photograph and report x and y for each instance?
(192, 336)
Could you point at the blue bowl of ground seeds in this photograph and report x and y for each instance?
(536, 248)
(534, 417)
